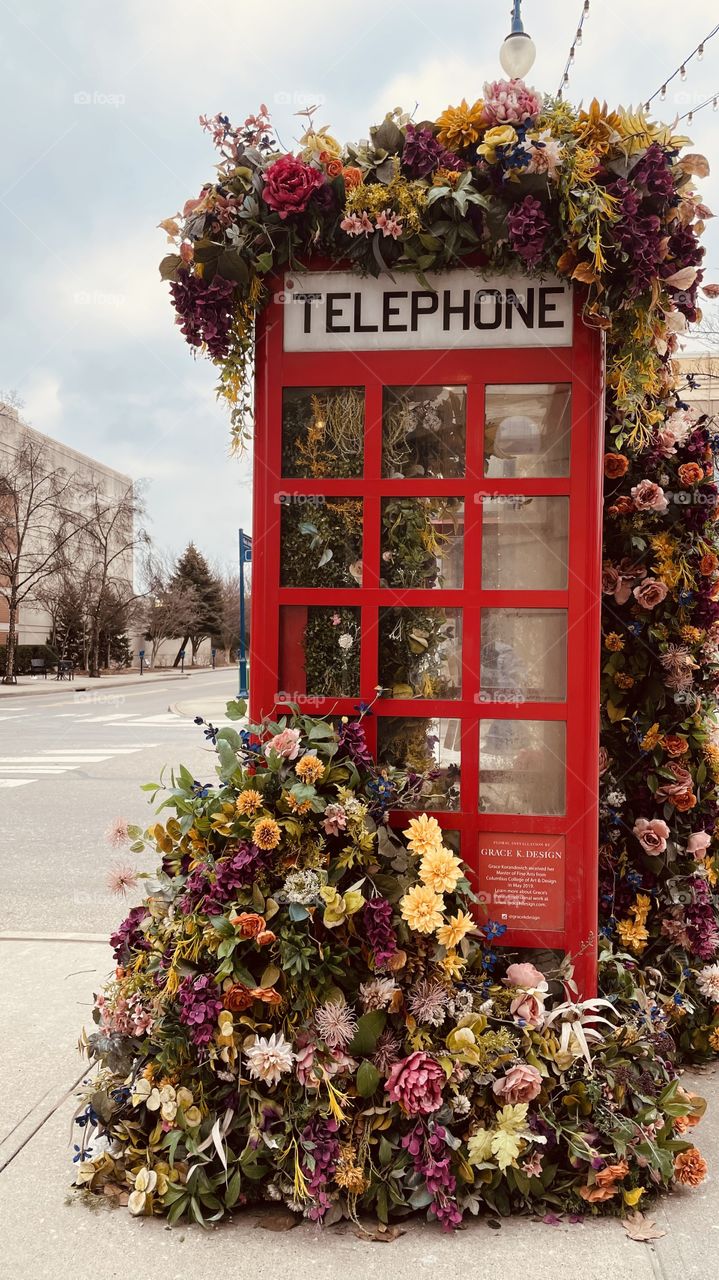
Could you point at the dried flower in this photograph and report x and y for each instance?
(121, 879)
(248, 802)
(266, 833)
(336, 1023)
(421, 907)
(416, 1083)
(269, 1058)
(309, 769)
(690, 1168)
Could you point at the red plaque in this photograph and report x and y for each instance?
(521, 879)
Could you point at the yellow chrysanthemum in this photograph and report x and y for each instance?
(248, 802)
(266, 833)
(421, 907)
(423, 834)
(633, 934)
(450, 935)
(440, 870)
(460, 126)
(452, 965)
(309, 769)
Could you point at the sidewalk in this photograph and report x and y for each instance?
(35, 685)
(46, 989)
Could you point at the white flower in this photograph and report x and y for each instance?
(345, 641)
(708, 982)
(268, 1059)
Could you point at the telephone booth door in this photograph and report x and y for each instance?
(427, 539)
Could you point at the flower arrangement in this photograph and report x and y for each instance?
(305, 1009)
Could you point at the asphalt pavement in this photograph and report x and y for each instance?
(70, 763)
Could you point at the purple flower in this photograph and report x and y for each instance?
(199, 1006)
(528, 227)
(129, 937)
(353, 742)
(432, 1157)
(377, 920)
(422, 153)
(322, 1149)
(205, 312)
(654, 173)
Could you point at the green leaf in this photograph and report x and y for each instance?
(369, 1028)
(368, 1078)
(232, 1194)
(386, 1152)
(237, 709)
(169, 266)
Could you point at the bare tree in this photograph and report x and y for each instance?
(37, 526)
(109, 541)
(170, 607)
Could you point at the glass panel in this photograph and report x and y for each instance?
(524, 543)
(420, 653)
(429, 752)
(524, 655)
(422, 542)
(527, 430)
(522, 766)
(319, 652)
(423, 431)
(322, 432)
(321, 542)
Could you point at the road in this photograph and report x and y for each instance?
(70, 763)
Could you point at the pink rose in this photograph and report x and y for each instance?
(649, 496)
(528, 1008)
(650, 593)
(521, 1083)
(603, 760)
(652, 835)
(286, 744)
(416, 1084)
(290, 185)
(525, 976)
(698, 843)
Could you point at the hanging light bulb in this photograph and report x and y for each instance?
(578, 37)
(690, 117)
(715, 104)
(663, 92)
(571, 54)
(700, 52)
(518, 52)
(586, 7)
(682, 72)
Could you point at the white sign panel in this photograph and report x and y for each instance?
(339, 311)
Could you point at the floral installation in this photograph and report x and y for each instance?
(306, 1009)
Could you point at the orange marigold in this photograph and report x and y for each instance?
(248, 802)
(310, 769)
(266, 833)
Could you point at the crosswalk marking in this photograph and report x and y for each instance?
(14, 782)
(50, 764)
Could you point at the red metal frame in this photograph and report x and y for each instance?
(582, 366)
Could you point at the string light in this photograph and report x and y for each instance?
(689, 115)
(573, 49)
(681, 70)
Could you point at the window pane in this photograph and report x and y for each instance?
(423, 431)
(422, 542)
(429, 752)
(319, 652)
(321, 542)
(527, 430)
(524, 655)
(322, 432)
(524, 543)
(420, 653)
(522, 766)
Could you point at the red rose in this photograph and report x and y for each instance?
(290, 185)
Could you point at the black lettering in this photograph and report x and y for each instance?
(417, 310)
(514, 303)
(359, 327)
(388, 310)
(308, 315)
(462, 310)
(333, 313)
(545, 307)
(495, 320)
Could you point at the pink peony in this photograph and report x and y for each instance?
(652, 835)
(509, 102)
(290, 185)
(525, 976)
(286, 744)
(698, 843)
(650, 593)
(528, 1008)
(416, 1084)
(521, 1083)
(649, 496)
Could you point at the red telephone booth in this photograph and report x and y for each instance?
(428, 523)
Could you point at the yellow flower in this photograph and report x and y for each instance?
(450, 935)
(641, 908)
(503, 135)
(299, 807)
(460, 126)
(651, 738)
(423, 834)
(318, 140)
(452, 965)
(266, 833)
(714, 1039)
(613, 642)
(309, 769)
(633, 934)
(339, 906)
(248, 802)
(421, 907)
(440, 870)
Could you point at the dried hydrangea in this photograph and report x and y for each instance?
(427, 1002)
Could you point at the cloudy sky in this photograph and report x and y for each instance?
(100, 104)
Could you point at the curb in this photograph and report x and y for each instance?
(33, 936)
(71, 686)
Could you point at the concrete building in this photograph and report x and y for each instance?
(702, 366)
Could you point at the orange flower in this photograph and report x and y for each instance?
(684, 802)
(352, 177)
(309, 769)
(331, 165)
(238, 998)
(690, 473)
(615, 465)
(265, 937)
(249, 924)
(460, 126)
(708, 564)
(593, 1195)
(248, 802)
(267, 995)
(612, 1173)
(266, 833)
(674, 744)
(690, 1168)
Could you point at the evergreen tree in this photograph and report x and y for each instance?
(193, 571)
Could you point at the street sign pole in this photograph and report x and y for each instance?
(245, 550)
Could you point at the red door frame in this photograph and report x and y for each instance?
(582, 366)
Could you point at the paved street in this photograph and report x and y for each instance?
(71, 762)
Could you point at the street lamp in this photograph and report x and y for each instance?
(518, 52)
(142, 661)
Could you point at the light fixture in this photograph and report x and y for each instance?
(663, 92)
(700, 52)
(578, 37)
(715, 104)
(518, 51)
(690, 117)
(571, 54)
(682, 72)
(586, 7)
